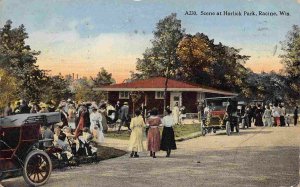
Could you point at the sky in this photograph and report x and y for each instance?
(81, 36)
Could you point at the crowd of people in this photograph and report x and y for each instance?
(262, 115)
(81, 126)
(271, 115)
(88, 122)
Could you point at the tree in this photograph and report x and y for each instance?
(84, 91)
(161, 59)
(56, 88)
(19, 61)
(208, 64)
(196, 55)
(228, 71)
(291, 60)
(103, 78)
(8, 88)
(270, 87)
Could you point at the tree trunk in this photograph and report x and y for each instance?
(165, 92)
(133, 114)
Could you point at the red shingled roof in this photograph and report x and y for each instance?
(159, 83)
(155, 82)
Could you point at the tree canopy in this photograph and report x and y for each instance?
(291, 60)
(198, 59)
(162, 55)
(103, 78)
(19, 61)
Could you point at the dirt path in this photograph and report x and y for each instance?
(255, 157)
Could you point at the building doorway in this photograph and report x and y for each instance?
(175, 97)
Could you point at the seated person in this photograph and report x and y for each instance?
(46, 133)
(86, 146)
(59, 139)
(68, 132)
(70, 138)
(86, 135)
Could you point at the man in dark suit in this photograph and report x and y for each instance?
(296, 115)
(118, 110)
(124, 115)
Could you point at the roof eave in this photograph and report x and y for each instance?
(169, 89)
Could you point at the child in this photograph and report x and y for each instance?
(287, 119)
(97, 135)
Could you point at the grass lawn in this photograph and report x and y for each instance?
(180, 131)
(186, 129)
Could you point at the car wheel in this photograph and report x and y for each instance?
(37, 168)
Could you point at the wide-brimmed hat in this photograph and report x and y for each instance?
(125, 103)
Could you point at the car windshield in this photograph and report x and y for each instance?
(217, 104)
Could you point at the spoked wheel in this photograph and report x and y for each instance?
(228, 129)
(37, 168)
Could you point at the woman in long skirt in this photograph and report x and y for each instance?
(136, 138)
(258, 116)
(96, 126)
(102, 111)
(168, 138)
(153, 134)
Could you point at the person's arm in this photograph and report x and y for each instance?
(91, 119)
(163, 122)
(132, 124)
(159, 122)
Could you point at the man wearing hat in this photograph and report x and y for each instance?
(64, 116)
(124, 116)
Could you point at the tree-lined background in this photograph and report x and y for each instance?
(173, 53)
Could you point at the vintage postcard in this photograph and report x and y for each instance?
(138, 93)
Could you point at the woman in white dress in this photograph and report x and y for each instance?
(136, 138)
(175, 113)
(96, 126)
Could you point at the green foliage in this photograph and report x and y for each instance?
(228, 71)
(103, 78)
(162, 54)
(270, 87)
(193, 58)
(291, 60)
(291, 56)
(56, 89)
(196, 55)
(19, 61)
(205, 63)
(8, 88)
(84, 91)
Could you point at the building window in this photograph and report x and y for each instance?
(123, 95)
(159, 95)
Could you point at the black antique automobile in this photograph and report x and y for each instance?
(220, 113)
(19, 152)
